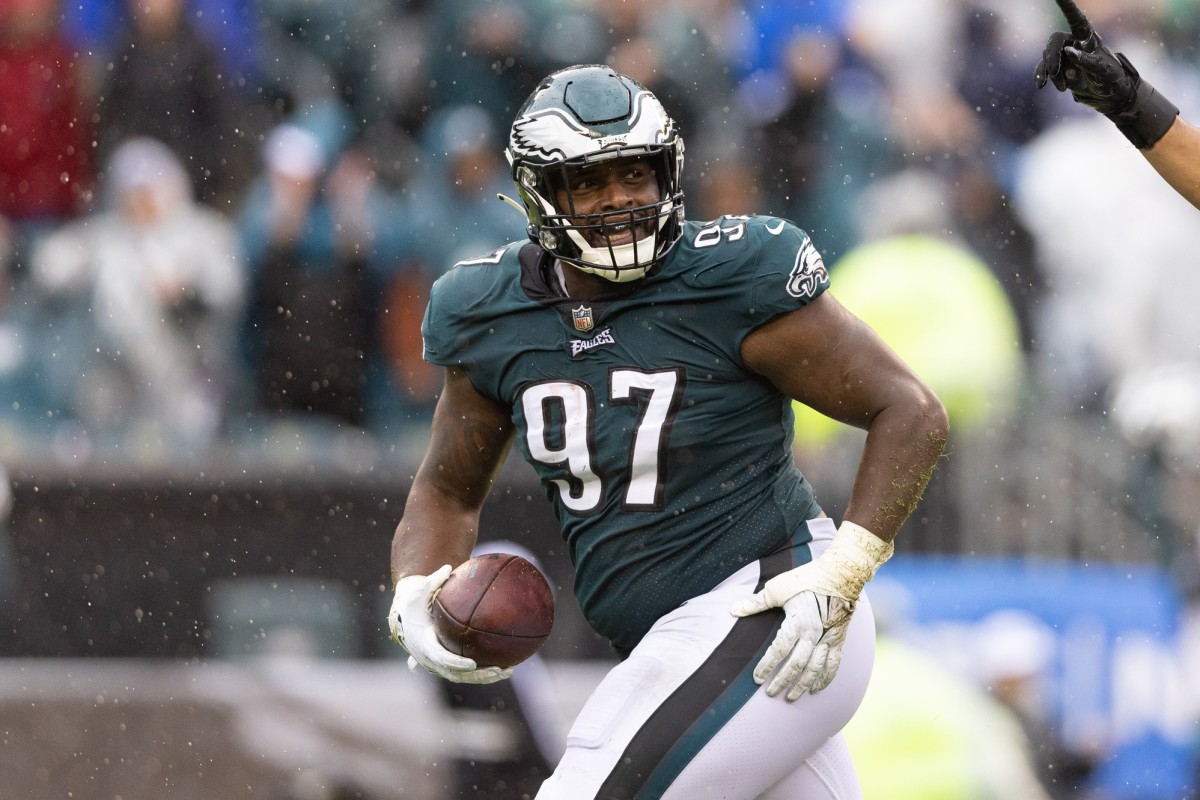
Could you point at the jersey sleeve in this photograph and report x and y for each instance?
(462, 303)
(745, 271)
(788, 272)
(439, 323)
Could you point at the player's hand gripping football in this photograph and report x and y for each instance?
(412, 628)
(1106, 81)
(818, 599)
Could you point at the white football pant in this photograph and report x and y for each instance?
(682, 719)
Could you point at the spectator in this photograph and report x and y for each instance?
(1014, 652)
(987, 222)
(787, 108)
(231, 25)
(324, 49)
(487, 53)
(310, 225)
(27, 410)
(401, 93)
(45, 171)
(163, 279)
(167, 82)
(663, 46)
(451, 212)
(463, 174)
(994, 75)
(929, 118)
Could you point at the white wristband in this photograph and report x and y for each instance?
(875, 549)
(841, 571)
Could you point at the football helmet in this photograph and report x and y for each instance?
(587, 115)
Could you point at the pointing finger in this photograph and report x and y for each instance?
(1081, 27)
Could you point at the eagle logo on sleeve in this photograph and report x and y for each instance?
(809, 274)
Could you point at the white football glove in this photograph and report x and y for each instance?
(411, 624)
(818, 599)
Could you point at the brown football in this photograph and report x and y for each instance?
(495, 609)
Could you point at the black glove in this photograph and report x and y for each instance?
(1104, 80)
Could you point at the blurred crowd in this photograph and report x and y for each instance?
(222, 216)
(220, 219)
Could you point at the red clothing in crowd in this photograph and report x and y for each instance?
(45, 169)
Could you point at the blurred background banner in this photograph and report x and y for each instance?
(1095, 650)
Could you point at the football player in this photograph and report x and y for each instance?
(1107, 82)
(645, 365)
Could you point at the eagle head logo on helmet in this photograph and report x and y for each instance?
(586, 115)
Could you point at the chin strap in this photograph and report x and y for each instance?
(616, 264)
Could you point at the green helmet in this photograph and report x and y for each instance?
(585, 115)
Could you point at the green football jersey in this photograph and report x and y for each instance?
(668, 463)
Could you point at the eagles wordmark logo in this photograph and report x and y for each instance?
(809, 273)
(602, 339)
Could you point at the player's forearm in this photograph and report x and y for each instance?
(902, 449)
(1176, 156)
(441, 517)
(470, 439)
(436, 529)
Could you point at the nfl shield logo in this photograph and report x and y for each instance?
(582, 317)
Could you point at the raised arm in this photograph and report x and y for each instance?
(1176, 156)
(1096, 76)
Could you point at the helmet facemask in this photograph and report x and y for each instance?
(552, 141)
(598, 242)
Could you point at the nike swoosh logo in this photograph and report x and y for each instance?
(778, 227)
